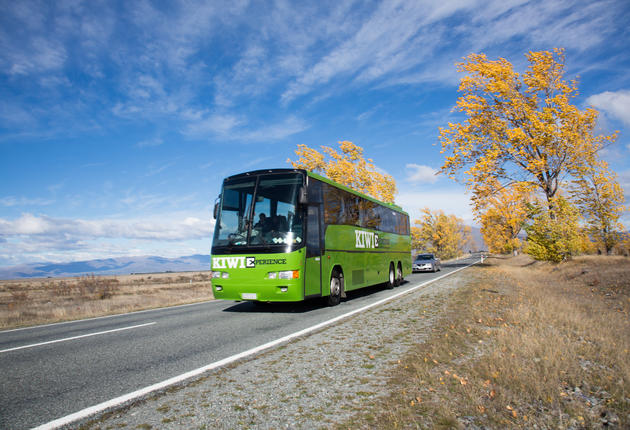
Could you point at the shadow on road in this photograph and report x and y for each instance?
(283, 308)
(302, 307)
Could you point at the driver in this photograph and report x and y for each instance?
(263, 223)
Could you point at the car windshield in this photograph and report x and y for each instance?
(260, 211)
(424, 257)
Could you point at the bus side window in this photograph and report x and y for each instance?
(352, 210)
(312, 232)
(332, 205)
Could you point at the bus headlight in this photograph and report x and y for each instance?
(224, 275)
(216, 274)
(289, 274)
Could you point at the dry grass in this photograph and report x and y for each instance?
(523, 345)
(41, 301)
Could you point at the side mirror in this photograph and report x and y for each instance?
(216, 208)
(302, 196)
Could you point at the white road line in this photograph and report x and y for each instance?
(75, 337)
(178, 379)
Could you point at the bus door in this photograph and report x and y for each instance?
(313, 267)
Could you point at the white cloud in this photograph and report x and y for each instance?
(375, 49)
(173, 228)
(44, 55)
(412, 42)
(156, 141)
(230, 127)
(43, 238)
(157, 169)
(420, 173)
(280, 52)
(220, 124)
(256, 162)
(29, 224)
(368, 114)
(616, 104)
(12, 201)
(278, 131)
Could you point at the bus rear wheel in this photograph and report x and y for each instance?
(399, 274)
(335, 289)
(391, 280)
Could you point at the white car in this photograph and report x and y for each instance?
(426, 263)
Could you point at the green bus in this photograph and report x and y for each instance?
(287, 235)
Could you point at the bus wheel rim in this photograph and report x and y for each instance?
(334, 286)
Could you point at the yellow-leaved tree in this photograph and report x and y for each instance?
(348, 168)
(623, 246)
(520, 128)
(599, 197)
(443, 235)
(502, 217)
(524, 131)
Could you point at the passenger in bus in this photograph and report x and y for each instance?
(280, 224)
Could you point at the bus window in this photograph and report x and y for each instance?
(275, 216)
(233, 222)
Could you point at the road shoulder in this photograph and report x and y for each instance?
(317, 380)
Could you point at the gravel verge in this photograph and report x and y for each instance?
(313, 382)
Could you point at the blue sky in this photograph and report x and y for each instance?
(118, 120)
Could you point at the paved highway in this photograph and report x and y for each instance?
(52, 371)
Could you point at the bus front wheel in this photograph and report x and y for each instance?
(335, 289)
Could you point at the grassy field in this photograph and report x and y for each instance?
(522, 345)
(40, 301)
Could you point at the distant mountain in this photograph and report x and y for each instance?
(109, 266)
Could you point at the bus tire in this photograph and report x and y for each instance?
(399, 274)
(391, 279)
(335, 289)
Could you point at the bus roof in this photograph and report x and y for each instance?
(321, 178)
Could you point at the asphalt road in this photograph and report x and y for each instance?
(52, 371)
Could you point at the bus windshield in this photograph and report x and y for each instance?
(260, 211)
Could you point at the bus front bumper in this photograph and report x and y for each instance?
(279, 291)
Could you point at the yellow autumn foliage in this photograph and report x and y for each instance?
(523, 138)
(599, 197)
(502, 217)
(519, 128)
(348, 167)
(554, 234)
(443, 235)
